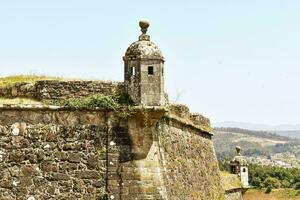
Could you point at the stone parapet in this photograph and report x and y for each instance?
(55, 89)
(181, 114)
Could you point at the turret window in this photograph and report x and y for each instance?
(132, 71)
(150, 70)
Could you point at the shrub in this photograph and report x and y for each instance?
(297, 186)
(256, 182)
(121, 103)
(285, 184)
(268, 190)
(272, 182)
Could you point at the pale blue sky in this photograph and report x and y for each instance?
(229, 60)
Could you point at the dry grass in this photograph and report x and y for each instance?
(276, 194)
(19, 101)
(10, 80)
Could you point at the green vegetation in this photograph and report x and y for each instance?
(10, 80)
(268, 190)
(275, 177)
(297, 186)
(120, 103)
(95, 101)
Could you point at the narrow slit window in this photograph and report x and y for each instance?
(132, 71)
(150, 70)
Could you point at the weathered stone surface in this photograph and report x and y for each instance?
(53, 158)
(75, 157)
(59, 176)
(29, 170)
(190, 162)
(7, 184)
(47, 166)
(54, 89)
(233, 195)
(92, 161)
(91, 174)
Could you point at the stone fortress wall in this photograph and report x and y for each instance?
(50, 152)
(159, 151)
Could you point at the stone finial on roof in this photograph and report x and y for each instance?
(143, 48)
(144, 24)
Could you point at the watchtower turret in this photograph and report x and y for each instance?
(239, 166)
(144, 70)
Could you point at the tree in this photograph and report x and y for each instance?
(272, 182)
(285, 184)
(256, 182)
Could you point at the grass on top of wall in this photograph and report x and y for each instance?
(10, 80)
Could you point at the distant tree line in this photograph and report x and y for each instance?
(264, 134)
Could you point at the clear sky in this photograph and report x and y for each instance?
(230, 60)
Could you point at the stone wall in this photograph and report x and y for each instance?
(232, 186)
(134, 169)
(51, 154)
(189, 162)
(55, 153)
(234, 195)
(53, 89)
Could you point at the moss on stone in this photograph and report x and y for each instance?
(230, 181)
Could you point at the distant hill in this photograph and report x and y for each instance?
(253, 143)
(292, 134)
(290, 130)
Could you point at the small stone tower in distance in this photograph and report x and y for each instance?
(239, 166)
(144, 71)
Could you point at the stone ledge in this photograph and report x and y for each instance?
(53, 107)
(202, 128)
(162, 111)
(182, 114)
